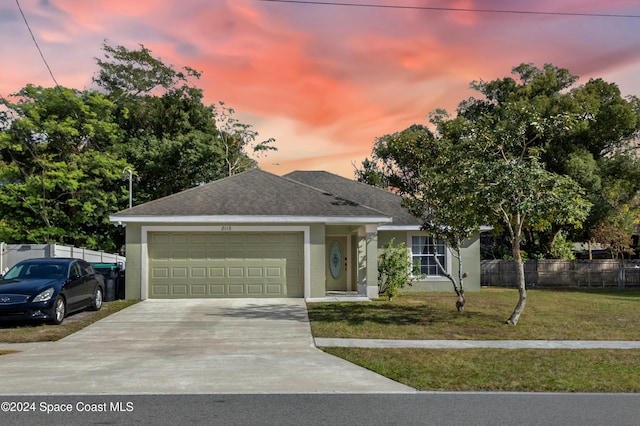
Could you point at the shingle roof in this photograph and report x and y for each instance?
(253, 193)
(361, 193)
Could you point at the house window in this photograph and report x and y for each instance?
(424, 252)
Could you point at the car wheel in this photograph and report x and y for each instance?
(58, 311)
(96, 300)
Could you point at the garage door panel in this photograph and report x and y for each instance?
(179, 289)
(236, 289)
(198, 289)
(160, 290)
(274, 289)
(159, 272)
(217, 290)
(199, 272)
(179, 272)
(254, 272)
(216, 272)
(226, 265)
(255, 290)
(235, 272)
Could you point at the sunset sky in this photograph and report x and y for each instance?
(325, 80)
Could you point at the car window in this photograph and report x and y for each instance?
(18, 271)
(87, 269)
(36, 271)
(75, 270)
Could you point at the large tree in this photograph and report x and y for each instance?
(494, 161)
(173, 139)
(599, 151)
(60, 181)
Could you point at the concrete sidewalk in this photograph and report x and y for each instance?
(468, 344)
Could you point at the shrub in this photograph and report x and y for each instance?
(394, 269)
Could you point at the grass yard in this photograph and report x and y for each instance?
(519, 370)
(549, 315)
(25, 332)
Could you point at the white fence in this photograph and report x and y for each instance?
(10, 254)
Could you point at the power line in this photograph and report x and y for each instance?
(36, 43)
(455, 9)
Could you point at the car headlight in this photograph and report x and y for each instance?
(44, 296)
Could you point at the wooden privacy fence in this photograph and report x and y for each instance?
(563, 273)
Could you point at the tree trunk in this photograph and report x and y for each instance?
(522, 290)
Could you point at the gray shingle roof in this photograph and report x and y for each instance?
(361, 193)
(253, 193)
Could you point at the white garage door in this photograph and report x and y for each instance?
(201, 264)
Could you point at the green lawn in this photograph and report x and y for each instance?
(559, 314)
(548, 315)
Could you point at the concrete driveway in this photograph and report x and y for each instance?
(190, 346)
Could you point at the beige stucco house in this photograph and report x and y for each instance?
(256, 234)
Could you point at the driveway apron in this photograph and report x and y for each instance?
(190, 346)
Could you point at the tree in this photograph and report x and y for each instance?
(507, 134)
(59, 180)
(615, 240)
(237, 139)
(171, 136)
(428, 172)
(491, 153)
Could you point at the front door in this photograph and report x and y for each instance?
(337, 257)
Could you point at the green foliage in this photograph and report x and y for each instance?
(173, 140)
(532, 155)
(394, 269)
(430, 174)
(63, 151)
(561, 248)
(60, 181)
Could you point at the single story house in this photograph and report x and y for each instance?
(256, 234)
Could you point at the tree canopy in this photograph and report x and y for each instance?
(63, 151)
(171, 137)
(529, 156)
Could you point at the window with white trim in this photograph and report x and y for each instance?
(424, 251)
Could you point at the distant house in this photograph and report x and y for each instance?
(256, 234)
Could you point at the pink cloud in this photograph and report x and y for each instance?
(324, 80)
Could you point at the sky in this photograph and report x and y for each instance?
(325, 80)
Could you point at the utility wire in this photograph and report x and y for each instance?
(36, 43)
(454, 9)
